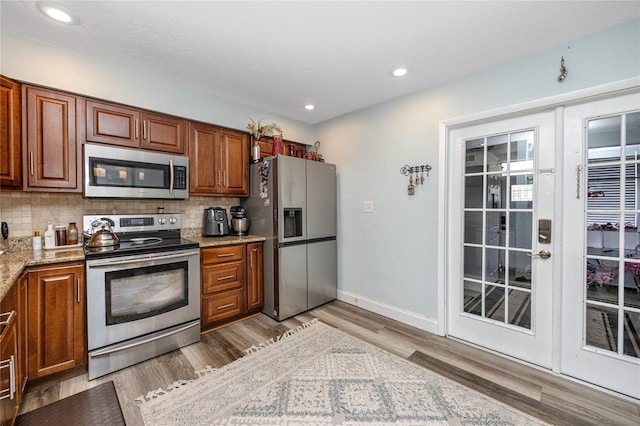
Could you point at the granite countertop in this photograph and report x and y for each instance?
(14, 262)
(224, 241)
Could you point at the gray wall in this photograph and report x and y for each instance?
(389, 258)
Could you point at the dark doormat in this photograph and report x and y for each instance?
(95, 406)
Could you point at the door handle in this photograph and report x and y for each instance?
(542, 254)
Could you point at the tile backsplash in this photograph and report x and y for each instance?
(26, 212)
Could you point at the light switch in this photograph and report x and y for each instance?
(368, 207)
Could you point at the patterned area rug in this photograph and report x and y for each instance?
(317, 375)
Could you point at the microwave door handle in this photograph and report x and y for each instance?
(170, 176)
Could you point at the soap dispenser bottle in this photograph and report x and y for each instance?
(49, 236)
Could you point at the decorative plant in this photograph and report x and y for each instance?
(258, 129)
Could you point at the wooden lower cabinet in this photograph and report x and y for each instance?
(9, 358)
(56, 319)
(230, 281)
(255, 272)
(223, 305)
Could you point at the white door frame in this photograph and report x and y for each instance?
(444, 186)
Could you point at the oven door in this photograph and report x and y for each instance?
(135, 295)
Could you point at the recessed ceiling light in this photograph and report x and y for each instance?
(57, 13)
(399, 72)
(309, 107)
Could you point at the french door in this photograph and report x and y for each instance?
(601, 278)
(543, 241)
(501, 236)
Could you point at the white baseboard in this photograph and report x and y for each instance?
(404, 316)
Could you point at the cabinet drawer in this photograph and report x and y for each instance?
(222, 277)
(222, 305)
(223, 254)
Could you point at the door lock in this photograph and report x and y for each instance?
(542, 254)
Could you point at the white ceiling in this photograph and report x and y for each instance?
(279, 56)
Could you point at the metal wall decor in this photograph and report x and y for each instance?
(563, 71)
(416, 176)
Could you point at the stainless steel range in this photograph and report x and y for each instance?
(143, 293)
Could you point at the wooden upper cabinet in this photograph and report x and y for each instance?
(10, 136)
(130, 127)
(113, 124)
(51, 159)
(234, 161)
(163, 133)
(219, 160)
(203, 154)
(266, 147)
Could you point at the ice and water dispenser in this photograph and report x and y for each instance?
(292, 222)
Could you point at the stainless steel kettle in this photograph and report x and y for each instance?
(102, 234)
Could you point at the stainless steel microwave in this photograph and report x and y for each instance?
(113, 172)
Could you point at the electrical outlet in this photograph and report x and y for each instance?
(368, 207)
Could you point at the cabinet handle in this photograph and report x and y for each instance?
(144, 130)
(225, 277)
(228, 305)
(10, 364)
(225, 255)
(9, 316)
(137, 129)
(78, 284)
(251, 259)
(226, 179)
(31, 162)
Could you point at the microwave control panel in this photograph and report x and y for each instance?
(179, 177)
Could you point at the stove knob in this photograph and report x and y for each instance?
(173, 220)
(162, 221)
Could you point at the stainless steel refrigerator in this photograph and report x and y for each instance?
(292, 203)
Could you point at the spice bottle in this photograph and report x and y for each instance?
(61, 235)
(72, 233)
(49, 236)
(37, 241)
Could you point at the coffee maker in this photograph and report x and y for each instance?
(215, 222)
(239, 220)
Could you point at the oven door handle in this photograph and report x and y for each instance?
(119, 348)
(112, 262)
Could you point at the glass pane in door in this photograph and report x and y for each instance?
(612, 255)
(498, 236)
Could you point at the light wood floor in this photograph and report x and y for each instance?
(539, 393)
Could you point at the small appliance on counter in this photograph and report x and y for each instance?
(239, 220)
(215, 222)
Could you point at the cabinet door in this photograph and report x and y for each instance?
(226, 276)
(163, 133)
(113, 124)
(10, 139)
(204, 178)
(8, 384)
(56, 319)
(23, 331)
(255, 290)
(221, 306)
(9, 357)
(51, 160)
(235, 162)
